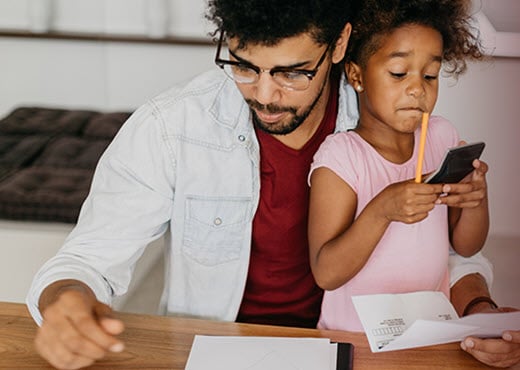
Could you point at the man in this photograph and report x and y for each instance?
(469, 295)
(220, 165)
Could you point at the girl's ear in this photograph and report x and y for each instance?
(355, 78)
(341, 45)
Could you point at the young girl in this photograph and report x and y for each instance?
(372, 229)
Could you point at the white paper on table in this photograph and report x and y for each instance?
(261, 353)
(399, 321)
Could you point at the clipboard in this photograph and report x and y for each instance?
(345, 356)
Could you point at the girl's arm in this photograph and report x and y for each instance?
(468, 213)
(339, 247)
(340, 244)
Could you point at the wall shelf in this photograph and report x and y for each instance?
(105, 37)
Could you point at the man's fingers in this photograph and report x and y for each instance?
(493, 352)
(105, 317)
(89, 326)
(54, 343)
(511, 335)
(74, 339)
(79, 344)
(111, 325)
(510, 309)
(63, 359)
(76, 331)
(494, 345)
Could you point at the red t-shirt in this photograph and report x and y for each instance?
(280, 288)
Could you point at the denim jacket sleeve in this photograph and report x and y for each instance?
(128, 206)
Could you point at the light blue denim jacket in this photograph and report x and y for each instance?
(186, 163)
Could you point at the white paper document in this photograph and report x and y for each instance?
(399, 321)
(261, 353)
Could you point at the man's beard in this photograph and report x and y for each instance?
(281, 128)
(277, 128)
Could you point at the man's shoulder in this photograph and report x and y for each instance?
(211, 92)
(193, 88)
(348, 113)
(198, 109)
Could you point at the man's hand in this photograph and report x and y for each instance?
(499, 352)
(77, 329)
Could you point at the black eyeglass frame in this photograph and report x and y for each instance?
(309, 73)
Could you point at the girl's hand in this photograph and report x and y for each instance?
(471, 191)
(407, 201)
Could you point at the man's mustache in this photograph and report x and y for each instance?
(269, 108)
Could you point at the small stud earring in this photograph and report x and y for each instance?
(359, 88)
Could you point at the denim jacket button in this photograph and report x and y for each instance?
(241, 138)
(217, 221)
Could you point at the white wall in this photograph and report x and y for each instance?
(96, 75)
(24, 247)
(484, 105)
(185, 18)
(99, 75)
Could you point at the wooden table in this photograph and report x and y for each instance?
(157, 342)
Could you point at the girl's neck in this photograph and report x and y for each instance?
(396, 147)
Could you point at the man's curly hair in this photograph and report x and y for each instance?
(267, 22)
(376, 19)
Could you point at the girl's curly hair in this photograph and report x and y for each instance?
(267, 22)
(451, 18)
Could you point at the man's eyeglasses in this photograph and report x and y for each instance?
(286, 77)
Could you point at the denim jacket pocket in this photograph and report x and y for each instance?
(215, 229)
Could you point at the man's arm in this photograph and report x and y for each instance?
(51, 293)
(466, 290)
(469, 295)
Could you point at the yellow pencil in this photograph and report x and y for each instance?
(422, 143)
